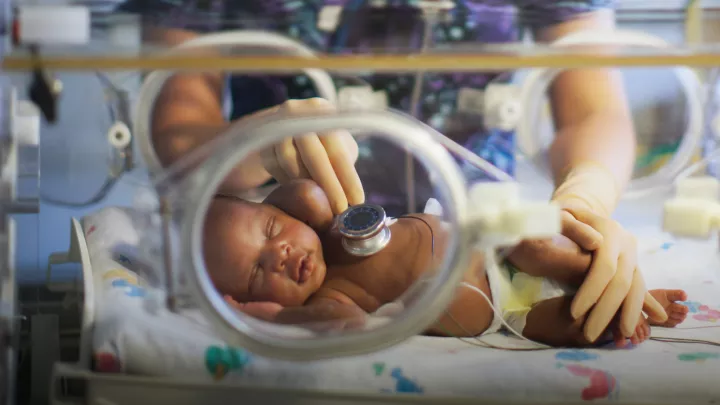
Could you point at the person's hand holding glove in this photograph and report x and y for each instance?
(587, 196)
(327, 158)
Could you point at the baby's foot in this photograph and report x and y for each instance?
(676, 312)
(642, 331)
(641, 334)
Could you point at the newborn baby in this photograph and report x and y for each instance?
(282, 261)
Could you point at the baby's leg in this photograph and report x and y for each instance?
(550, 322)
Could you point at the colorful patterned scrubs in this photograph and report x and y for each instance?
(397, 27)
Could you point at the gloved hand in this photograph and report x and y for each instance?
(589, 195)
(612, 281)
(327, 158)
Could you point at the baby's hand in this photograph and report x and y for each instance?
(267, 311)
(324, 316)
(558, 258)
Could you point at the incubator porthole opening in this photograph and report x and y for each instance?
(536, 83)
(233, 41)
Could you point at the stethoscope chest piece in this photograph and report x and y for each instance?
(364, 230)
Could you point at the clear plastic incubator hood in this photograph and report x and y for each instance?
(367, 280)
(348, 251)
(276, 268)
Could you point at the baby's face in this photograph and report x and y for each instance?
(256, 252)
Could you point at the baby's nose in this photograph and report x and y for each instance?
(282, 252)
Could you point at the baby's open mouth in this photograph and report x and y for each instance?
(306, 269)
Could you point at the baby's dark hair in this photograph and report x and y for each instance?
(305, 201)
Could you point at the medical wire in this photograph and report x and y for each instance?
(432, 233)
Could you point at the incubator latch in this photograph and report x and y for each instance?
(40, 24)
(694, 211)
(354, 98)
(501, 106)
(502, 219)
(19, 167)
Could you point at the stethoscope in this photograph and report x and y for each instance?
(364, 229)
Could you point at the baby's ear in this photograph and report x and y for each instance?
(305, 201)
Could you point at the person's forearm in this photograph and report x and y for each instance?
(593, 154)
(188, 114)
(604, 137)
(175, 143)
(590, 109)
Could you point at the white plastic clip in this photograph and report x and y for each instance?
(501, 106)
(54, 24)
(503, 219)
(361, 98)
(694, 211)
(329, 18)
(119, 135)
(702, 187)
(435, 5)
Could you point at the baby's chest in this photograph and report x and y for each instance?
(368, 285)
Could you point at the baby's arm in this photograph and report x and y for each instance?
(323, 315)
(469, 314)
(559, 259)
(320, 314)
(550, 322)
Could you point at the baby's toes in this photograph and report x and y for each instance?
(636, 338)
(676, 295)
(679, 310)
(676, 315)
(646, 330)
(676, 312)
(642, 332)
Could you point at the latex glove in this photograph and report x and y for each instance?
(593, 188)
(588, 195)
(327, 158)
(613, 281)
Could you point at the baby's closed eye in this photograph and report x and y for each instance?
(272, 227)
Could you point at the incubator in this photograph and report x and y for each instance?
(201, 282)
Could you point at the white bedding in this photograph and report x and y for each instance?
(129, 338)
